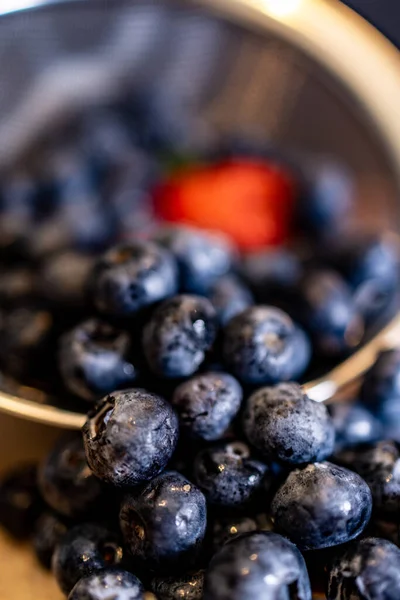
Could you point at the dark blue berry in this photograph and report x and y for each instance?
(178, 335)
(379, 465)
(287, 426)
(185, 587)
(226, 528)
(48, 532)
(366, 569)
(327, 309)
(130, 436)
(112, 584)
(130, 277)
(95, 359)
(20, 503)
(228, 474)
(322, 505)
(262, 565)
(84, 550)
(202, 257)
(354, 424)
(229, 297)
(206, 405)
(65, 480)
(164, 524)
(260, 345)
(302, 351)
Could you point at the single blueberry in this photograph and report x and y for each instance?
(354, 424)
(20, 503)
(202, 257)
(230, 297)
(164, 524)
(48, 532)
(366, 569)
(327, 309)
(112, 584)
(260, 345)
(95, 358)
(65, 480)
(262, 565)
(63, 279)
(302, 351)
(84, 550)
(185, 587)
(322, 505)
(130, 436)
(287, 426)
(228, 474)
(379, 465)
(206, 405)
(130, 277)
(226, 528)
(178, 335)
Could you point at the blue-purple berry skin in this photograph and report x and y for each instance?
(131, 277)
(322, 505)
(262, 565)
(206, 405)
(178, 335)
(164, 523)
(49, 531)
(115, 584)
(367, 568)
(286, 426)
(354, 424)
(130, 436)
(230, 296)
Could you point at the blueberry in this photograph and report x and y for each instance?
(130, 436)
(322, 505)
(95, 358)
(287, 426)
(20, 503)
(178, 335)
(379, 465)
(226, 528)
(130, 277)
(368, 568)
(164, 524)
(202, 257)
(262, 565)
(63, 278)
(112, 584)
(84, 550)
(48, 532)
(229, 297)
(328, 311)
(186, 587)
(354, 424)
(65, 480)
(228, 474)
(260, 345)
(302, 351)
(206, 405)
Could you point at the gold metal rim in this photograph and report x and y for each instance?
(368, 65)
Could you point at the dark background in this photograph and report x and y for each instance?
(384, 14)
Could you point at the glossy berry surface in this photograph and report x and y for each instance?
(259, 345)
(109, 583)
(84, 550)
(95, 359)
(228, 474)
(322, 505)
(230, 296)
(186, 587)
(66, 482)
(354, 424)
(287, 426)
(164, 524)
(130, 436)
(132, 276)
(368, 568)
(206, 404)
(178, 335)
(20, 503)
(202, 257)
(262, 565)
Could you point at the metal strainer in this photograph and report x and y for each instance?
(308, 74)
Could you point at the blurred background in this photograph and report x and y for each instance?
(384, 14)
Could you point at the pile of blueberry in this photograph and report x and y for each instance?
(202, 469)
